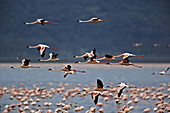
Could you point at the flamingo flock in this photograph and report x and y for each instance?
(119, 93)
(34, 100)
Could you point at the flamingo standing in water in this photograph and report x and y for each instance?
(87, 55)
(25, 64)
(41, 48)
(125, 62)
(94, 20)
(128, 55)
(68, 70)
(162, 72)
(40, 21)
(53, 57)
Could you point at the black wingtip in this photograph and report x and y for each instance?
(98, 79)
(78, 93)
(108, 63)
(117, 102)
(108, 86)
(50, 69)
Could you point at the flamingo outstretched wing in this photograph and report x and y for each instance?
(99, 83)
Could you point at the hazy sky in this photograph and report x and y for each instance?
(134, 21)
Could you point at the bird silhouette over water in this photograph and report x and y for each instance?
(40, 21)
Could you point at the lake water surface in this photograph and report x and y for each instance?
(137, 76)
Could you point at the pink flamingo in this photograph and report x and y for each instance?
(125, 62)
(162, 72)
(68, 70)
(41, 48)
(94, 20)
(108, 57)
(128, 55)
(87, 55)
(40, 21)
(25, 64)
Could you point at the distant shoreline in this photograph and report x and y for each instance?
(59, 65)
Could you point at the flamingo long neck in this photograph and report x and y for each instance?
(83, 21)
(31, 23)
(15, 67)
(32, 46)
(79, 56)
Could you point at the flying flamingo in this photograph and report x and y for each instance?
(92, 61)
(68, 70)
(87, 55)
(94, 20)
(40, 21)
(100, 86)
(25, 64)
(95, 96)
(96, 92)
(53, 57)
(162, 72)
(125, 62)
(128, 55)
(108, 57)
(41, 48)
(121, 86)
